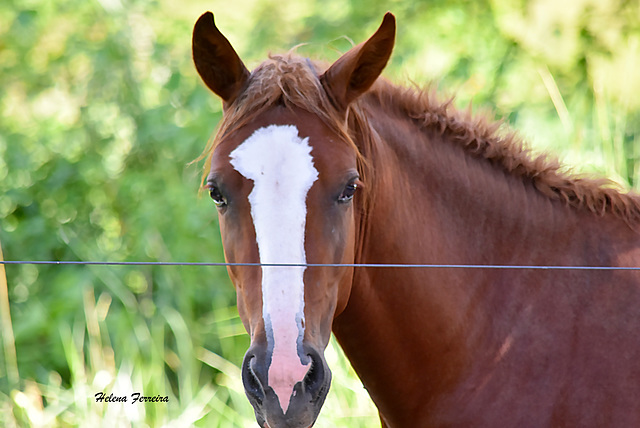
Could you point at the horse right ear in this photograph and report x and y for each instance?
(216, 61)
(354, 72)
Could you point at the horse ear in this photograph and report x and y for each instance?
(354, 72)
(216, 61)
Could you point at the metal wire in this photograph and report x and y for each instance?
(354, 265)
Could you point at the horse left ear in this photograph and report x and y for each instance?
(217, 62)
(354, 72)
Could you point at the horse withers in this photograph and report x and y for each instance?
(335, 166)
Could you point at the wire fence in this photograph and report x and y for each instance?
(305, 265)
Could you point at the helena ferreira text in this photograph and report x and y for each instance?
(135, 397)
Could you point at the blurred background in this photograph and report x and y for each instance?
(101, 114)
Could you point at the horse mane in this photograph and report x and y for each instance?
(483, 137)
(292, 81)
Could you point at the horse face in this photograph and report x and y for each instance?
(284, 186)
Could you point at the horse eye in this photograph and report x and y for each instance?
(348, 192)
(217, 197)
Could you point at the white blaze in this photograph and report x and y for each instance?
(281, 166)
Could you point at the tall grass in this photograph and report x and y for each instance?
(159, 358)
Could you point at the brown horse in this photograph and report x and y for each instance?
(332, 165)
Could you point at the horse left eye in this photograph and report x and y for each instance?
(348, 192)
(217, 196)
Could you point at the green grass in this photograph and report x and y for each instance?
(203, 388)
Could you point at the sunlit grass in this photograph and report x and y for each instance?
(154, 368)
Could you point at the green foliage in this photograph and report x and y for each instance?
(101, 113)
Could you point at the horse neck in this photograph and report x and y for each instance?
(434, 203)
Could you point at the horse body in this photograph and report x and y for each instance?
(433, 346)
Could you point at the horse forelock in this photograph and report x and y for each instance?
(282, 80)
(291, 81)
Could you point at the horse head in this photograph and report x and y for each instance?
(284, 176)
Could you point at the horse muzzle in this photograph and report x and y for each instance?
(305, 398)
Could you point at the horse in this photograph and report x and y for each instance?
(321, 173)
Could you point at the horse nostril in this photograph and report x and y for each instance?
(252, 384)
(315, 380)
